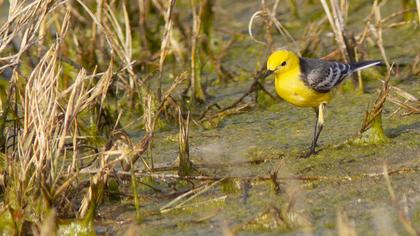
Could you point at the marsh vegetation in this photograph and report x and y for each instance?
(148, 117)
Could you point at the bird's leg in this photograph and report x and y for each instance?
(314, 138)
(319, 123)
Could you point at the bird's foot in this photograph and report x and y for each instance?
(311, 152)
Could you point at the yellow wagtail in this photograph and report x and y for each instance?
(307, 82)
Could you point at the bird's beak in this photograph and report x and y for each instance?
(266, 73)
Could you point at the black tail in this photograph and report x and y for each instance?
(365, 64)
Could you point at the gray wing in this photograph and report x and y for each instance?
(321, 75)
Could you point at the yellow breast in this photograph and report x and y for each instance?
(291, 88)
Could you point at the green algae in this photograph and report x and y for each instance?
(7, 224)
(374, 135)
(230, 185)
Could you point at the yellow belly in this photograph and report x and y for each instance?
(291, 88)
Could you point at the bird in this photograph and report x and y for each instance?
(310, 82)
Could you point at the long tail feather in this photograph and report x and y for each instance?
(365, 64)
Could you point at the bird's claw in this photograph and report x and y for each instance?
(310, 153)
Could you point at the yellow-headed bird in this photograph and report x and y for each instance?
(307, 82)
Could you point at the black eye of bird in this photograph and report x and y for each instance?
(283, 63)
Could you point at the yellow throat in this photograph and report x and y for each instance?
(288, 81)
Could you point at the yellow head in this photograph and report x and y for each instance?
(282, 61)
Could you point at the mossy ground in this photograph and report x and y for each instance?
(279, 133)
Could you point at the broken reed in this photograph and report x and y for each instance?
(185, 167)
(372, 131)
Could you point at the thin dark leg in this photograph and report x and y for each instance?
(314, 138)
(319, 123)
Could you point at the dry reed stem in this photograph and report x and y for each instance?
(195, 81)
(178, 80)
(418, 9)
(24, 22)
(50, 121)
(45, 124)
(345, 227)
(405, 221)
(411, 109)
(337, 24)
(149, 124)
(164, 47)
(409, 102)
(176, 203)
(377, 31)
(142, 5)
(120, 43)
(378, 106)
(151, 118)
(185, 166)
(125, 41)
(95, 41)
(404, 100)
(194, 38)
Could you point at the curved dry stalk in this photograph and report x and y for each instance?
(251, 21)
(279, 27)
